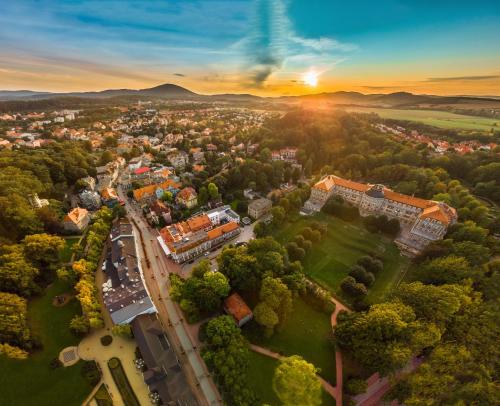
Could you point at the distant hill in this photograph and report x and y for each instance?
(172, 91)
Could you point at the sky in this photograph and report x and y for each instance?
(264, 47)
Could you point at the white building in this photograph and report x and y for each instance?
(422, 221)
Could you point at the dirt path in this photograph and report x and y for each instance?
(338, 355)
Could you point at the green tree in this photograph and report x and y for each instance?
(43, 249)
(17, 275)
(239, 267)
(295, 382)
(450, 269)
(213, 191)
(275, 305)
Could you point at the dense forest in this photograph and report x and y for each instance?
(50, 172)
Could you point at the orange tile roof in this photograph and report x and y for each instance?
(199, 222)
(409, 200)
(325, 184)
(440, 212)
(109, 193)
(237, 307)
(187, 193)
(360, 187)
(221, 230)
(144, 191)
(76, 215)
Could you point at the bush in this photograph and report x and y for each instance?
(295, 253)
(55, 363)
(351, 287)
(373, 265)
(356, 386)
(91, 372)
(106, 340)
(318, 297)
(202, 332)
(359, 273)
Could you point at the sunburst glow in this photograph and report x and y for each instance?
(311, 78)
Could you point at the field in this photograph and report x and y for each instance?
(260, 377)
(436, 118)
(32, 381)
(67, 252)
(305, 333)
(329, 261)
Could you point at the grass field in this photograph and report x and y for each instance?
(66, 252)
(329, 261)
(436, 118)
(31, 382)
(260, 377)
(305, 333)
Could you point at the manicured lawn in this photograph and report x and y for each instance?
(66, 252)
(32, 381)
(120, 377)
(305, 333)
(260, 380)
(329, 261)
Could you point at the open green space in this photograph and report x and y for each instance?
(66, 252)
(329, 261)
(436, 118)
(122, 383)
(31, 381)
(305, 333)
(260, 379)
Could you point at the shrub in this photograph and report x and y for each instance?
(307, 245)
(106, 340)
(307, 232)
(373, 265)
(359, 273)
(356, 386)
(295, 253)
(318, 297)
(91, 372)
(55, 363)
(351, 287)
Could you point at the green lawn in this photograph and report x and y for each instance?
(260, 380)
(305, 333)
(66, 252)
(436, 118)
(329, 261)
(32, 382)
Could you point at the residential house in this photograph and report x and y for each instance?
(187, 197)
(260, 207)
(76, 220)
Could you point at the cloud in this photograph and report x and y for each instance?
(180, 75)
(462, 78)
(272, 45)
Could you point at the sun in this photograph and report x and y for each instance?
(310, 78)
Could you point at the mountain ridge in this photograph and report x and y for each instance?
(173, 91)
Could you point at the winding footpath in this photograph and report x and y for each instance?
(338, 355)
(334, 391)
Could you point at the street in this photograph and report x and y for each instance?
(156, 272)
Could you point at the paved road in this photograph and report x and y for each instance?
(156, 277)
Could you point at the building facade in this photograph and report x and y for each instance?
(422, 221)
(259, 208)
